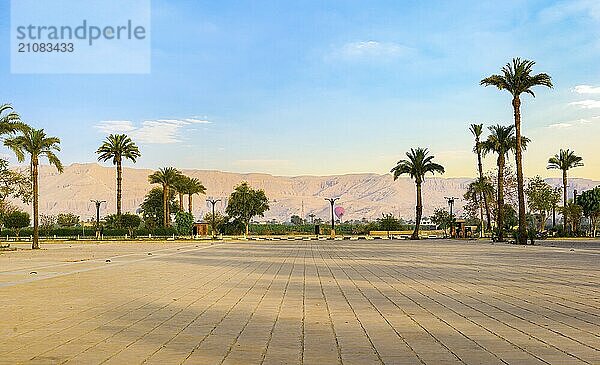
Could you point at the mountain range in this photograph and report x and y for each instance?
(361, 195)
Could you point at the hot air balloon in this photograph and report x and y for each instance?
(339, 212)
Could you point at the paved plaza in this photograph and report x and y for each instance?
(301, 302)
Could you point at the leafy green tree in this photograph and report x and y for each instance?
(36, 144)
(167, 177)
(502, 141)
(589, 201)
(219, 221)
(477, 131)
(17, 220)
(47, 222)
(184, 222)
(388, 222)
(131, 222)
(14, 184)
(112, 221)
(564, 160)
(245, 203)
(441, 218)
(541, 198)
(296, 220)
(517, 78)
(117, 147)
(67, 220)
(419, 163)
(153, 207)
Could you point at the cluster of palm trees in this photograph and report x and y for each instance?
(34, 145)
(517, 78)
(118, 147)
(172, 179)
(502, 141)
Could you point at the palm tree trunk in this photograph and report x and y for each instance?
(484, 195)
(419, 212)
(165, 205)
(247, 225)
(500, 211)
(180, 202)
(481, 214)
(519, 161)
(119, 182)
(190, 203)
(564, 201)
(36, 232)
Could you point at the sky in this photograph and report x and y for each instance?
(328, 87)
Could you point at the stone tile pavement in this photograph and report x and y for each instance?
(300, 302)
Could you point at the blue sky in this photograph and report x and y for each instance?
(313, 87)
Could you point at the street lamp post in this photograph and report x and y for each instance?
(332, 202)
(213, 202)
(98, 203)
(451, 204)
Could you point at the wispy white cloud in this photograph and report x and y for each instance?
(566, 9)
(372, 50)
(560, 126)
(115, 126)
(571, 123)
(586, 89)
(586, 104)
(160, 131)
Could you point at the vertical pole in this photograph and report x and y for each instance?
(213, 220)
(97, 215)
(332, 218)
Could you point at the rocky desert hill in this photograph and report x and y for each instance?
(362, 195)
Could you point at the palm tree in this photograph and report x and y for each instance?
(477, 130)
(480, 189)
(180, 187)
(564, 160)
(167, 177)
(36, 144)
(501, 141)
(516, 78)
(419, 163)
(194, 186)
(117, 147)
(10, 122)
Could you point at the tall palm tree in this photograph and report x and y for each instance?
(117, 147)
(564, 160)
(10, 122)
(477, 131)
(167, 177)
(501, 141)
(36, 144)
(194, 186)
(419, 163)
(516, 78)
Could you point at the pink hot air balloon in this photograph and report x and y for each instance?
(339, 212)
